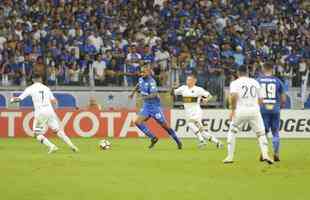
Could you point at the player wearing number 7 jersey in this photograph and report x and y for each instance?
(44, 114)
(245, 94)
(273, 96)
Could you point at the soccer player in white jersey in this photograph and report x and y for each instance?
(44, 114)
(192, 96)
(245, 94)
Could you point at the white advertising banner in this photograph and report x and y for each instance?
(294, 124)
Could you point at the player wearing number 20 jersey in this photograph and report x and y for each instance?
(245, 94)
(272, 97)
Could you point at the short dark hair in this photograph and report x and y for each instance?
(268, 65)
(243, 69)
(36, 77)
(192, 75)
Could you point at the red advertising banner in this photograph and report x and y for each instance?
(79, 123)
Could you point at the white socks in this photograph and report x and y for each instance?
(210, 137)
(45, 141)
(199, 136)
(65, 138)
(263, 145)
(231, 143)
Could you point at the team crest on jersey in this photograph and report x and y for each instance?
(158, 116)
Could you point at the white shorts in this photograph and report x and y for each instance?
(253, 117)
(195, 115)
(42, 121)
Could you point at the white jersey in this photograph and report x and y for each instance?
(248, 110)
(191, 100)
(249, 91)
(41, 97)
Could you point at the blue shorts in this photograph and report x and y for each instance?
(271, 121)
(155, 112)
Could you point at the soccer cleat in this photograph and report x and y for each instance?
(153, 142)
(268, 160)
(228, 160)
(52, 149)
(261, 158)
(202, 144)
(219, 145)
(180, 145)
(276, 158)
(75, 149)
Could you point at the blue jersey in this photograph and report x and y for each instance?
(147, 86)
(151, 107)
(272, 89)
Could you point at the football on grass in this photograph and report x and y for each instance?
(104, 144)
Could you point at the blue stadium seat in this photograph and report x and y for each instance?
(26, 103)
(288, 103)
(307, 103)
(65, 100)
(2, 101)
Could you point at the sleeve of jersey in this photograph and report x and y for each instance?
(179, 90)
(281, 87)
(51, 96)
(205, 93)
(23, 95)
(233, 88)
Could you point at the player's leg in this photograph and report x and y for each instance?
(142, 117)
(53, 123)
(231, 141)
(140, 123)
(197, 131)
(39, 125)
(197, 126)
(267, 119)
(257, 124)
(159, 116)
(275, 127)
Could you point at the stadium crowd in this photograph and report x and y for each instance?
(76, 42)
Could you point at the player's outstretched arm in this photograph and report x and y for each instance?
(15, 99)
(134, 91)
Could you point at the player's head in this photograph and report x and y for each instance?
(146, 71)
(268, 68)
(191, 80)
(243, 70)
(36, 78)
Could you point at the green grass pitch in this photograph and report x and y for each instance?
(129, 171)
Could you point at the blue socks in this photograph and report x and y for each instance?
(173, 134)
(146, 130)
(149, 134)
(276, 142)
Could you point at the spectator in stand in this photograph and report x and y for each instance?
(76, 31)
(99, 66)
(133, 63)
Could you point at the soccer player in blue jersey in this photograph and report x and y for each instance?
(151, 107)
(273, 95)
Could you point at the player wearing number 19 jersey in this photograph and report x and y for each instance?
(273, 96)
(44, 114)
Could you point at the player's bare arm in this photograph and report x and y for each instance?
(283, 100)
(134, 91)
(233, 104)
(206, 98)
(54, 102)
(15, 100)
